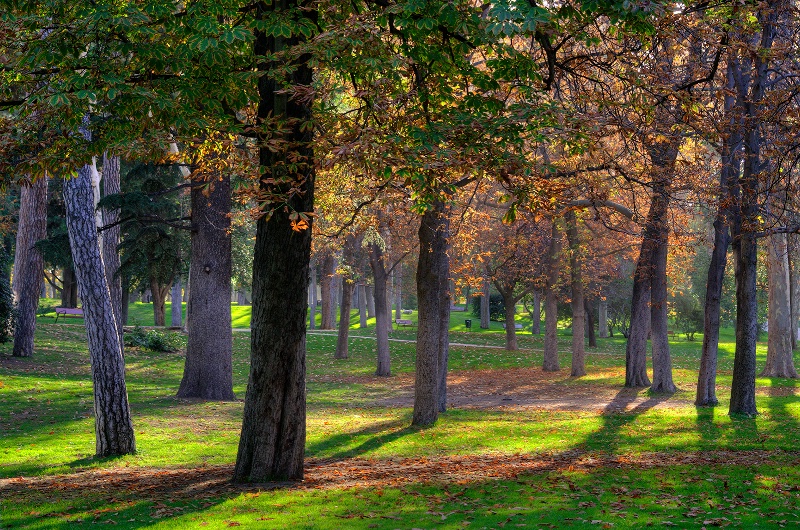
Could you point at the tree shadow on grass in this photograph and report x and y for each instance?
(375, 436)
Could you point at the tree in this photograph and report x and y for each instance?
(28, 263)
(780, 358)
(550, 362)
(7, 310)
(578, 302)
(111, 238)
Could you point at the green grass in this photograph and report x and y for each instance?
(46, 430)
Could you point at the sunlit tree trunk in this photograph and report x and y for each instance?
(780, 358)
(111, 238)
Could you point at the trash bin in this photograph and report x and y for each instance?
(468, 323)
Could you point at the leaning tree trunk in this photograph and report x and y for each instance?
(28, 263)
(272, 443)
(328, 296)
(511, 318)
(379, 303)
(576, 286)
(550, 362)
(111, 238)
(208, 369)
(431, 294)
(780, 358)
(113, 426)
(485, 296)
(344, 320)
(662, 361)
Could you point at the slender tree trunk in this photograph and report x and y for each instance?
(536, 328)
(379, 292)
(362, 306)
(485, 305)
(589, 308)
(550, 362)
(159, 293)
(28, 263)
(431, 294)
(126, 294)
(780, 358)
(69, 291)
(576, 286)
(794, 287)
(344, 319)
(111, 238)
(113, 426)
(312, 319)
(272, 443)
(328, 299)
(208, 369)
(602, 318)
(444, 315)
(370, 301)
(398, 293)
(662, 361)
(511, 314)
(177, 306)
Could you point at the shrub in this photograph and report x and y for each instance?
(497, 311)
(153, 340)
(7, 310)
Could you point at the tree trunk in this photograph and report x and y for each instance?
(159, 292)
(69, 292)
(398, 293)
(111, 238)
(511, 314)
(370, 301)
(444, 313)
(485, 305)
(602, 318)
(113, 426)
(208, 369)
(126, 295)
(431, 294)
(28, 263)
(379, 292)
(272, 443)
(662, 361)
(576, 287)
(344, 319)
(312, 318)
(177, 306)
(550, 362)
(780, 358)
(328, 297)
(589, 308)
(362, 306)
(536, 328)
(636, 347)
(794, 287)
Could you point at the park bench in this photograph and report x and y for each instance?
(404, 322)
(66, 311)
(516, 326)
(671, 333)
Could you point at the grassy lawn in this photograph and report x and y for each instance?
(664, 462)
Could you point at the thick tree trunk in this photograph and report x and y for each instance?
(328, 297)
(485, 305)
(743, 384)
(578, 304)
(431, 294)
(379, 292)
(344, 320)
(272, 443)
(550, 362)
(602, 318)
(362, 305)
(511, 330)
(159, 292)
(780, 358)
(662, 361)
(589, 308)
(113, 425)
(536, 328)
(177, 306)
(208, 369)
(111, 238)
(28, 263)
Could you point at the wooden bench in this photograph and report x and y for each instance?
(403, 322)
(670, 333)
(67, 311)
(516, 326)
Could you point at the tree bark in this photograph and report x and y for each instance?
(208, 369)
(344, 320)
(370, 301)
(159, 292)
(550, 362)
(398, 293)
(576, 287)
(113, 426)
(794, 287)
(485, 305)
(272, 443)
(69, 292)
(111, 238)
(662, 361)
(362, 306)
(431, 295)
(589, 308)
(602, 318)
(28, 263)
(177, 306)
(126, 294)
(379, 292)
(780, 358)
(328, 294)
(536, 328)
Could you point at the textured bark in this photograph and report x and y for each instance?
(344, 320)
(602, 318)
(589, 309)
(177, 306)
(126, 295)
(113, 425)
(111, 238)
(328, 294)
(485, 305)
(536, 328)
(159, 293)
(69, 292)
(743, 384)
(208, 369)
(550, 361)
(431, 294)
(379, 303)
(662, 361)
(780, 358)
(576, 287)
(362, 305)
(28, 263)
(794, 287)
(272, 443)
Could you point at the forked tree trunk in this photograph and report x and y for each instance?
(111, 238)
(431, 294)
(208, 369)
(29, 264)
(113, 426)
(550, 361)
(379, 292)
(780, 358)
(576, 287)
(272, 443)
(328, 297)
(344, 320)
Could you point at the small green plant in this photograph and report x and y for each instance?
(153, 340)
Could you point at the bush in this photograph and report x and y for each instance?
(497, 310)
(7, 311)
(689, 315)
(153, 340)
